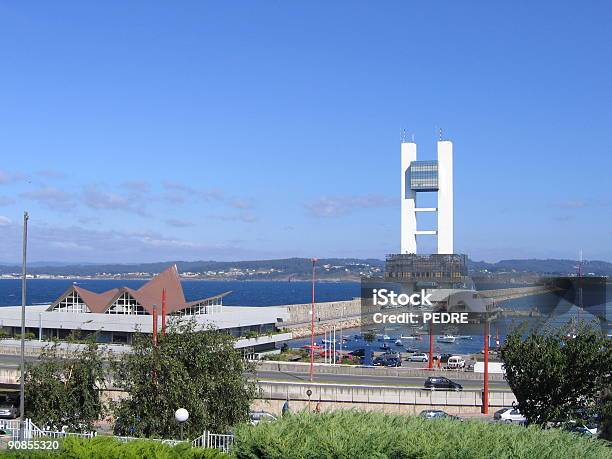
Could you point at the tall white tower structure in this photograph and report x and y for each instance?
(421, 177)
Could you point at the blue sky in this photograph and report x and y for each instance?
(145, 131)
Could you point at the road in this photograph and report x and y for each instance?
(359, 380)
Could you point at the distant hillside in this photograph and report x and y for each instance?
(548, 266)
(296, 268)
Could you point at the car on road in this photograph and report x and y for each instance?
(259, 416)
(437, 414)
(440, 382)
(419, 357)
(8, 411)
(455, 362)
(510, 416)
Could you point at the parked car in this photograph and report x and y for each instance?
(440, 382)
(589, 428)
(455, 362)
(392, 354)
(259, 416)
(8, 411)
(419, 357)
(358, 352)
(388, 360)
(437, 414)
(509, 415)
(443, 357)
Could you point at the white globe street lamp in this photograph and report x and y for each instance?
(181, 415)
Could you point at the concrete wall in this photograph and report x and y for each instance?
(299, 314)
(387, 399)
(301, 367)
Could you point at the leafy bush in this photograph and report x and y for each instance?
(353, 434)
(110, 448)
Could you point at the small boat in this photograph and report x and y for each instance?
(328, 341)
(385, 347)
(447, 339)
(411, 337)
(398, 342)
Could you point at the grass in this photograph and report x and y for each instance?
(353, 434)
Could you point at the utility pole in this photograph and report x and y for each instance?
(23, 327)
(312, 321)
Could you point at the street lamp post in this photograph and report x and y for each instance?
(181, 415)
(23, 327)
(312, 321)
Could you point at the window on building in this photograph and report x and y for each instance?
(126, 304)
(71, 303)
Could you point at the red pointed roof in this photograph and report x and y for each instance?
(148, 296)
(96, 302)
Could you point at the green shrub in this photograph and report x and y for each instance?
(352, 434)
(110, 448)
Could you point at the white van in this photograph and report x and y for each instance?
(456, 362)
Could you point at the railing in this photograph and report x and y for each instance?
(60, 434)
(30, 430)
(163, 441)
(221, 442)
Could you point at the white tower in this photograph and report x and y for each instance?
(409, 222)
(427, 176)
(445, 197)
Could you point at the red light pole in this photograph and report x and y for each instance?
(312, 321)
(154, 325)
(164, 312)
(485, 395)
(431, 345)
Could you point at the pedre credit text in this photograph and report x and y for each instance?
(384, 297)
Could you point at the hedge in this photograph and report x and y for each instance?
(353, 434)
(110, 448)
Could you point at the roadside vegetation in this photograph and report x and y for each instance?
(65, 392)
(561, 376)
(354, 434)
(190, 368)
(199, 370)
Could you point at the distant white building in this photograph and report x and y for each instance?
(115, 315)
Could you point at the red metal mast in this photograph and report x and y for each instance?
(485, 395)
(431, 345)
(312, 322)
(163, 312)
(154, 325)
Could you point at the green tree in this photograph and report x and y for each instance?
(62, 391)
(557, 375)
(199, 370)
